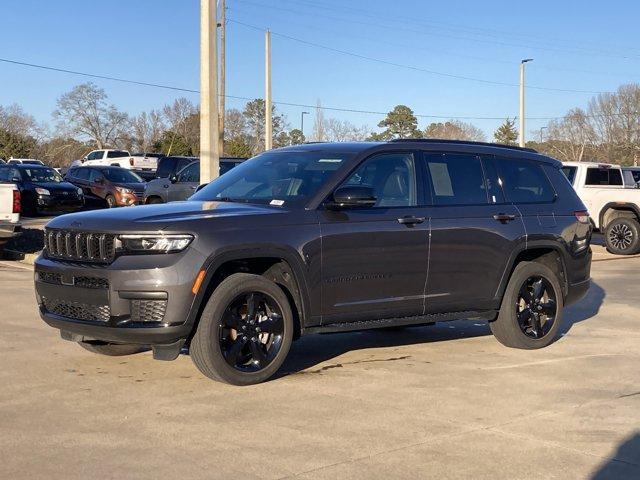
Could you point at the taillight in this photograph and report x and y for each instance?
(582, 216)
(16, 201)
(131, 161)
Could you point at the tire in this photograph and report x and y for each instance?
(516, 324)
(222, 351)
(154, 201)
(112, 349)
(111, 201)
(622, 236)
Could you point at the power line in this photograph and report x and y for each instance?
(287, 104)
(411, 67)
(471, 30)
(445, 35)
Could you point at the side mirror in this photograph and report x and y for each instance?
(355, 196)
(200, 187)
(173, 178)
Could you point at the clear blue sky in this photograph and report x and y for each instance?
(576, 45)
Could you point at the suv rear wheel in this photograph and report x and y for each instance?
(622, 236)
(531, 309)
(245, 331)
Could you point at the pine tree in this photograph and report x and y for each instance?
(507, 133)
(400, 123)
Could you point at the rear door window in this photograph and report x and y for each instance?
(525, 182)
(598, 176)
(456, 179)
(117, 154)
(82, 174)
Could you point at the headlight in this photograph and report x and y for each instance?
(42, 191)
(79, 192)
(124, 190)
(154, 243)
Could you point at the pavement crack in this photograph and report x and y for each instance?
(341, 365)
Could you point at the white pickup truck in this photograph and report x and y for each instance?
(120, 158)
(614, 209)
(9, 212)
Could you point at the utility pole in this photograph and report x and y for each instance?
(222, 91)
(302, 121)
(268, 128)
(541, 137)
(526, 60)
(209, 151)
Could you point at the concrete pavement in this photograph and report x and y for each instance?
(431, 402)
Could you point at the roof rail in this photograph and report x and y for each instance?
(463, 142)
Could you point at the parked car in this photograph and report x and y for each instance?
(24, 161)
(326, 237)
(170, 166)
(146, 161)
(615, 210)
(115, 186)
(631, 177)
(42, 189)
(183, 184)
(108, 157)
(9, 210)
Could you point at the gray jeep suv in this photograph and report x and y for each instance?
(323, 238)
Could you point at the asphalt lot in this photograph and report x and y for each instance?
(431, 402)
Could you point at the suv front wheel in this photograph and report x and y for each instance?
(531, 309)
(245, 331)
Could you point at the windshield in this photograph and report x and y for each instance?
(42, 175)
(121, 176)
(278, 178)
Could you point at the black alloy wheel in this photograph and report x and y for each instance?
(251, 332)
(536, 307)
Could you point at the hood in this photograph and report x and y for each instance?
(136, 187)
(170, 217)
(56, 186)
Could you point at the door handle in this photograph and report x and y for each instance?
(410, 220)
(504, 218)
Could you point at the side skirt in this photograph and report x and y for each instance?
(486, 315)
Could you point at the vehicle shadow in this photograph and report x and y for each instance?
(623, 463)
(312, 350)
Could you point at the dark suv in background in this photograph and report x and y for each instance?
(323, 238)
(184, 183)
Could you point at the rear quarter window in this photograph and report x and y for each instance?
(524, 181)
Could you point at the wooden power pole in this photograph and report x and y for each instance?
(209, 126)
(268, 128)
(222, 92)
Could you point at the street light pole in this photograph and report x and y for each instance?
(541, 129)
(209, 126)
(268, 130)
(526, 60)
(302, 121)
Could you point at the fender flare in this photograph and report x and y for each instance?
(533, 245)
(214, 262)
(620, 205)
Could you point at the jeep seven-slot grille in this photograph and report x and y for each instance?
(80, 246)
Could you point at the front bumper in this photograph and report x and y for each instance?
(141, 299)
(54, 203)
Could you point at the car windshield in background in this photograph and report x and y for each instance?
(117, 154)
(9, 174)
(276, 178)
(121, 176)
(42, 175)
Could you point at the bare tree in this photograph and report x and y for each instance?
(319, 133)
(84, 112)
(183, 120)
(570, 136)
(146, 130)
(235, 124)
(343, 131)
(455, 130)
(15, 120)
